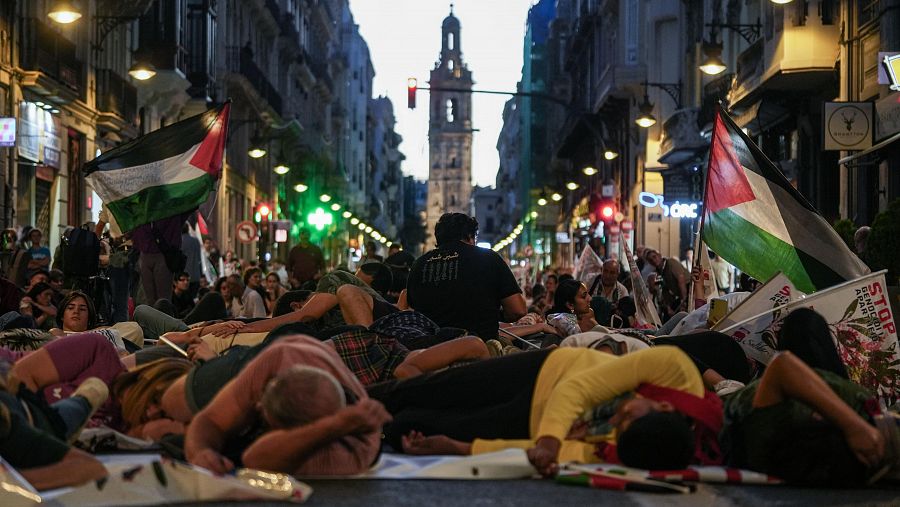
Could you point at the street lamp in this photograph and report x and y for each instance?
(713, 63)
(346, 214)
(556, 196)
(589, 171)
(64, 12)
(646, 118)
(324, 197)
(281, 169)
(542, 202)
(141, 70)
(572, 185)
(300, 188)
(609, 154)
(257, 147)
(335, 207)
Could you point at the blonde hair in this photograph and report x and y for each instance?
(137, 388)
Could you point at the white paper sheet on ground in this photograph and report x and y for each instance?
(123, 441)
(506, 464)
(146, 480)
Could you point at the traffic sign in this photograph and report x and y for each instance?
(246, 232)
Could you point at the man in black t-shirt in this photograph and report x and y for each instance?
(460, 285)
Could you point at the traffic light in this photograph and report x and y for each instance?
(263, 212)
(411, 85)
(606, 210)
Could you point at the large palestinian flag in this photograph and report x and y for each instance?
(755, 219)
(164, 173)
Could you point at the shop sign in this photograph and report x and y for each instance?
(674, 210)
(562, 237)
(38, 136)
(848, 125)
(889, 70)
(7, 132)
(887, 116)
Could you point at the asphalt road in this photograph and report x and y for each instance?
(519, 493)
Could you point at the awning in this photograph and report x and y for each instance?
(761, 115)
(874, 148)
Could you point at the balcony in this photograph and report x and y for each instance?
(240, 61)
(681, 140)
(116, 101)
(791, 59)
(49, 65)
(324, 82)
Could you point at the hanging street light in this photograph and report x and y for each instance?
(281, 169)
(64, 12)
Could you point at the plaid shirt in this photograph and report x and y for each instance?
(370, 356)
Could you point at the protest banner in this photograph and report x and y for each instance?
(862, 324)
(750, 323)
(588, 266)
(645, 309)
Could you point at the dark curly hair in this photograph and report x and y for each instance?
(455, 227)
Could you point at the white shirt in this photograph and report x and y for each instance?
(253, 305)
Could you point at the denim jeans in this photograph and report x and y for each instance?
(156, 323)
(74, 413)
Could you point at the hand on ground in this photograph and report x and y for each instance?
(212, 461)
(866, 443)
(544, 455)
(418, 444)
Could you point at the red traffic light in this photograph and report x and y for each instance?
(607, 212)
(264, 211)
(411, 86)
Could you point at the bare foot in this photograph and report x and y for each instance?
(418, 444)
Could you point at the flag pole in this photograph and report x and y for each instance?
(712, 139)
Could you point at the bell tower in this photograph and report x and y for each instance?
(449, 130)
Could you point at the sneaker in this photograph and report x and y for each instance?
(495, 348)
(96, 393)
(727, 387)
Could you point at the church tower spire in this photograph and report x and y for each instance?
(450, 129)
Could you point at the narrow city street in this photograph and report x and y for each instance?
(645, 252)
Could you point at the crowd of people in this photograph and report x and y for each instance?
(313, 372)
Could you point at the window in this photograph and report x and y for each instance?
(450, 40)
(451, 110)
(450, 64)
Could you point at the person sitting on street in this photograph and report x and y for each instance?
(460, 285)
(38, 304)
(571, 312)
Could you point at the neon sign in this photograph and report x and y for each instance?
(675, 210)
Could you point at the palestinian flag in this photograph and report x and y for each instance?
(164, 173)
(755, 219)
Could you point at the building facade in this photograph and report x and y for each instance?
(297, 72)
(449, 130)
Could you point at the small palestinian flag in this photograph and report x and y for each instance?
(755, 219)
(164, 173)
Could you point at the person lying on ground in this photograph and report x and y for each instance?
(369, 356)
(35, 436)
(806, 426)
(314, 415)
(543, 395)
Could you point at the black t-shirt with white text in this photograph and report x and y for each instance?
(461, 285)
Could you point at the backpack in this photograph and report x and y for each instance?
(81, 253)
